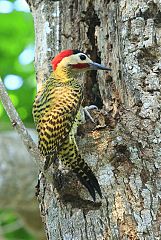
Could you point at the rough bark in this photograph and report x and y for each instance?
(125, 155)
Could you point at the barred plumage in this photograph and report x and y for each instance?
(55, 112)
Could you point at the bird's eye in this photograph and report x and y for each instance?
(82, 57)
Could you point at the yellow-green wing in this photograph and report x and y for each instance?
(54, 115)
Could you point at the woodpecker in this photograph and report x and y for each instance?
(56, 112)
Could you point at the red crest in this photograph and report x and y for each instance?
(60, 56)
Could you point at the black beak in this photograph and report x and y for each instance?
(97, 66)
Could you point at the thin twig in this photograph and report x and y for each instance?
(20, 128)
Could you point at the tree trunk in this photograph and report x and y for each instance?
(124, 148)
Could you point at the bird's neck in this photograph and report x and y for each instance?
(63, 79)
(63, 75)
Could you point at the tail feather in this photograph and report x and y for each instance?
(86, 177)
(50, 158)
(87, 183)
(70, 156)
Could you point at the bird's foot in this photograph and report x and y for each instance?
(87, 113)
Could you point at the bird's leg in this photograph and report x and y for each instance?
(86, 111)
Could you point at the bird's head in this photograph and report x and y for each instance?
(75, 61)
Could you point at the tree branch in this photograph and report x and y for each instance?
(18, 174)
(21, 130)
(18, 125)
(22, 206)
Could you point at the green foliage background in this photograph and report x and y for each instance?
(16, 33)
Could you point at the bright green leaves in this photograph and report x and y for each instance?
(16, 58)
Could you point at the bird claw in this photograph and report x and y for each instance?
(86, 111)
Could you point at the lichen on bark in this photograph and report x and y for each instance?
(125, 155)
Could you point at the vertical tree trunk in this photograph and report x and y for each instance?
(125, 155)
